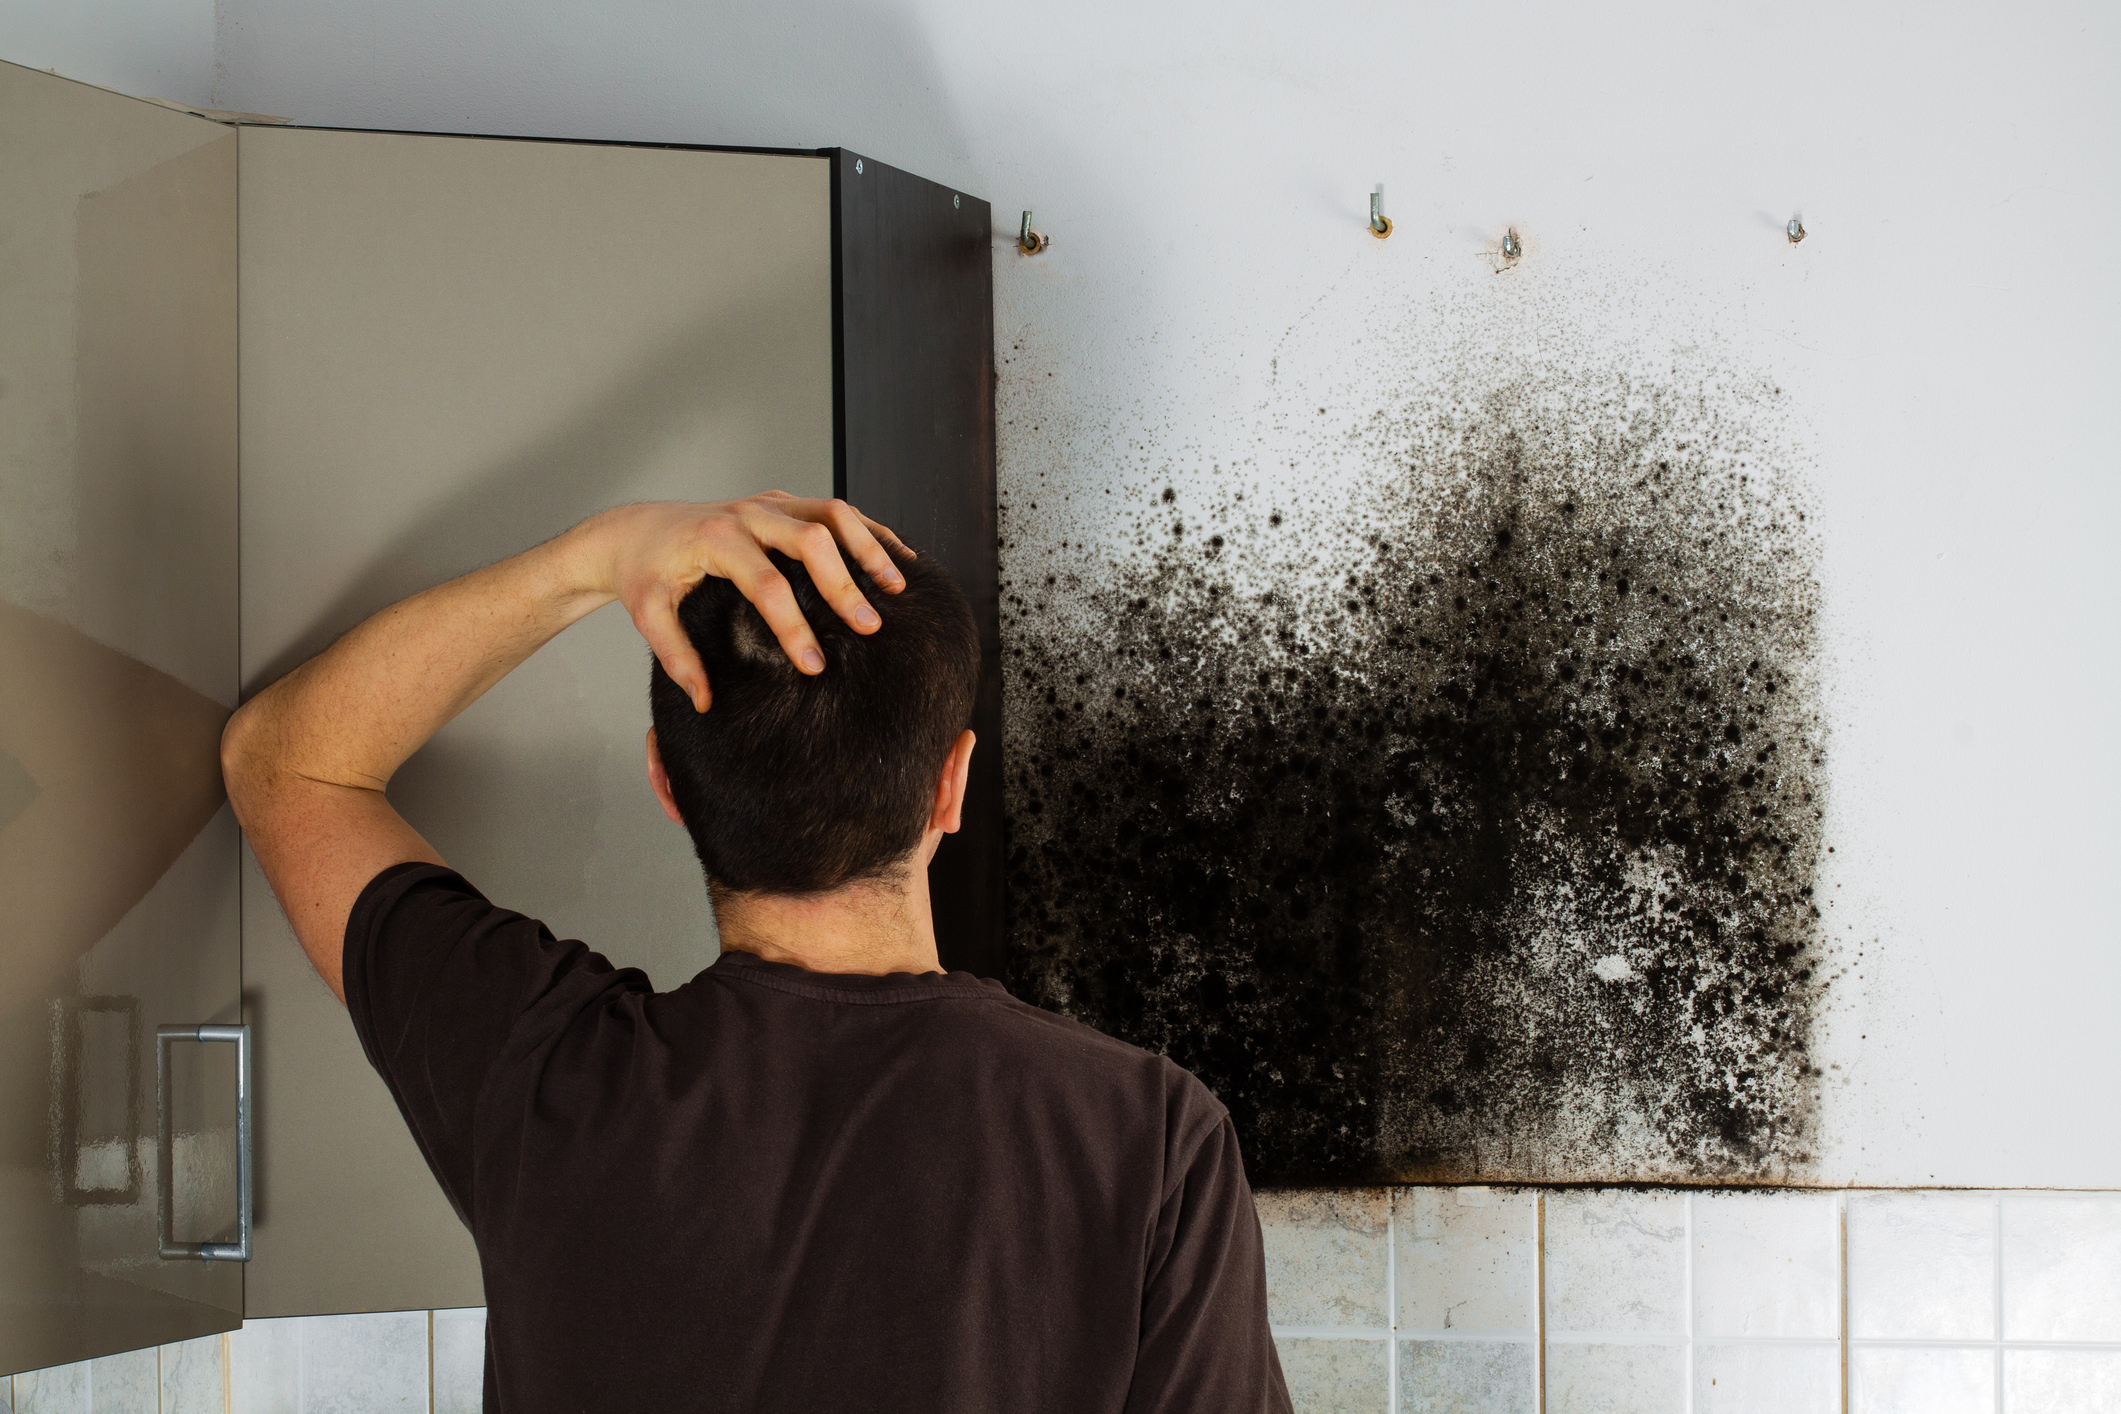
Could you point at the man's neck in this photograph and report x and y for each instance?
(872, 928)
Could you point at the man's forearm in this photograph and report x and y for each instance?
(354, 713)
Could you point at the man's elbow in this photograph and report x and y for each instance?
(246, 756)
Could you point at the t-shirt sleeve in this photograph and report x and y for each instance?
(1205, 1345)
(441, 986)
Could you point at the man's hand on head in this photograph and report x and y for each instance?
(650, 556)
(307, 759)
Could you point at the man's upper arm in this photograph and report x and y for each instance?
(320, 845)
(440, 985)
(1205, 1343)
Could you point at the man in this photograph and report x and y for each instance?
(822, 1175)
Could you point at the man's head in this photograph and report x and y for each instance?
(792, 784)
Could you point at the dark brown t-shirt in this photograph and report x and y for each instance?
(774, 1189)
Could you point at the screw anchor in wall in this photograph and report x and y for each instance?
(1380, 224)
(1029, 241)
(1795, 230)
(1511, 246)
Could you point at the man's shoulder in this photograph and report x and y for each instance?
(1066, 1051)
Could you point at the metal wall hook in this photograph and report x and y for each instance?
(1511, 246)
(1029, 241)
(1795, 230)
(1380, 224)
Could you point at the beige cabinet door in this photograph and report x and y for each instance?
(451, 349)
(118, 665)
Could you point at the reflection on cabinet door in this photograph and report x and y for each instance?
(117, 669)
(452, 349)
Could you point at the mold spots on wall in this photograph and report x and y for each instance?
(1455, 818)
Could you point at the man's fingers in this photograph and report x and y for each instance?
(890, 540)
(874, 545)
(657, 619)
(867, 542)
(745, 565)
(814, 542)
(732, 541)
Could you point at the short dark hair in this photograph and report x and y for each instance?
(791, 784)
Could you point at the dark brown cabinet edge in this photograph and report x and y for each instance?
(913, 446)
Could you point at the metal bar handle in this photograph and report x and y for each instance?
(239, 1250)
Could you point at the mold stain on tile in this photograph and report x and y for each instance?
(1452, 820)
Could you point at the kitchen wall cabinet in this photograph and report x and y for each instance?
(448, 348)
(118, 664)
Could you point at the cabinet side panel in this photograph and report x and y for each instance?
(117, 670)
(916, 383)
(453, 349)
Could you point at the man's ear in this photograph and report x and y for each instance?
(660, 779)
(950, 788)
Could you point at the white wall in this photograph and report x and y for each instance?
(149, 48)
(1946, 333)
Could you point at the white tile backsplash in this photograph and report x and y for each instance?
(1922, 1380)
(1466, 1260)
(1766, 1264)
(1616, 1379)
(121, 1384)
(1326, 1258)
(460, 1361)
(373, 1363)
(1922, 1266)
(63, 1389)
(265, 1366)
(1466, 1377)
(1780, 1378)
(2062, 1267)
(195, 1377)
(1336, 1376)
(367, 1364)
(2061, 1381)
(1760, 1332)
(1616, 1263)
(112, 1384)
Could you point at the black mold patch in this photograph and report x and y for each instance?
(1459, 827)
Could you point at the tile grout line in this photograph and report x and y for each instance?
(1841, 1224)
(1996, 1316)
(1687, 1271)
(1911, 1343)
(1639, 1338)
(1392, 1301)
(1473, 1335)
(228, 1378)
(1539, 1303)
(1456, 1335)
(431, 1362)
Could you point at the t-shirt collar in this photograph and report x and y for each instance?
(734, 964)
